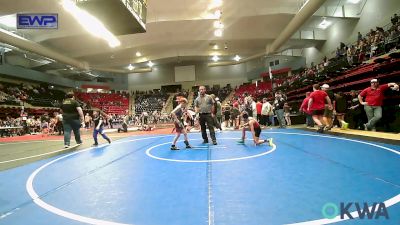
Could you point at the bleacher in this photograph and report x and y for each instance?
(220, 93)
(109, 103)
(353, 79)
(149, 102)
(261, 90)
(41, 96)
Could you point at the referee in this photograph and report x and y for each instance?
(204, 105)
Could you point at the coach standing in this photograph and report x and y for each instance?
(205, 107)
(72, 119)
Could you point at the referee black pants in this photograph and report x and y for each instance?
(207, 119)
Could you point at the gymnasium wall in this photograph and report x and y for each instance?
(165, 75)
(294, 62)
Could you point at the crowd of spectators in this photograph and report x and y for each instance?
(150, 102)
(376, 42)
(111, 103)
(38, 124)
(41, 95)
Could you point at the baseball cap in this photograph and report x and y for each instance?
(374, 81)
(325, 86)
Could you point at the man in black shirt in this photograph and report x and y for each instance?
(72, 119)
(355, 111)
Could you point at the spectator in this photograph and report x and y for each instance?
(355, 112)
(227, 114)
(266, 109)
(258, 110)
(304, 109)
(394, 19)
(287, 109)
(278, 106)
(316, 104)
(219, 111)
(372, 98)
(328, 113)
(340, 108)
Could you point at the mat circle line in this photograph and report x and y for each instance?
(32, 193)
(148, 153)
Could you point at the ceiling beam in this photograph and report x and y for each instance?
(309, 8)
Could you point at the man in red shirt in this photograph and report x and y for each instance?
(316, 104)
(373, 102)
(303, 108)
(236, 103)
(258, 108)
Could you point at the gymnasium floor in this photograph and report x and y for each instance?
(138, 180)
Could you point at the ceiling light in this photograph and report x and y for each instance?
(150, 64)
(353, 1)
(218, 24)
(216, 4)
(324, 24)
(218, 32)
(138, 54)
(237, 58)
(9, 21)
(215, 58)
(130, 67)
(215, 47)
(90, 23)
(218, 14)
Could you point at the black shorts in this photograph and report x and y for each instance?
(257, 131)
(328, 112)
(318, 112)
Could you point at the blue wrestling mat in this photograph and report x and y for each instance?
(303, 178)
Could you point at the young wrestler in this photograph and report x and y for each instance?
(252, 125)
(98, 128)
(178, 114)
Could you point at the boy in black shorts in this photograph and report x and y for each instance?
(179, 114)
(98, 128)
(252, 125)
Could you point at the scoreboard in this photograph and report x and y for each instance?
(121, 17)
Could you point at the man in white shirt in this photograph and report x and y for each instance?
(265, 112)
